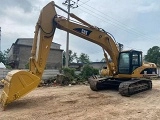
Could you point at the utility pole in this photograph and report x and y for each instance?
(70, 4)
(0, 38)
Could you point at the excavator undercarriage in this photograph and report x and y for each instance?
(126, 87)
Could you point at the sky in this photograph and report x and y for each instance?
(133, 23)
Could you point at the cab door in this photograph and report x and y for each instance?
(129, 61)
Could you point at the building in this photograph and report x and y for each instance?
(76, 66)
(20, 52)
(96, 65)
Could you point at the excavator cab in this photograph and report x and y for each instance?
(129, 61)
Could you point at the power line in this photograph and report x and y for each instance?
(115, 26)
(116, 23)
(83, 3)
(0, 38)
(120, 28)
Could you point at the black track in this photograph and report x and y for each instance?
(126, 87)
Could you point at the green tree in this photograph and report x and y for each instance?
(69, 72)
(4, 56)
(84, 58)
(72, 57)
(153, 55)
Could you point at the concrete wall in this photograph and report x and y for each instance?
(98, 65)
(23, 56)
(46, 75)
(49, 73)
(55, 59)
(3, 73)
(158, 71)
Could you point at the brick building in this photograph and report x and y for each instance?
(20, 52)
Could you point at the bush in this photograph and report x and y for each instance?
(88, 71)
(69, 72)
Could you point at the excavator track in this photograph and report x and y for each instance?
(125, 88)
(131, 87)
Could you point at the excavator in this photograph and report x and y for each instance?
(126, 71)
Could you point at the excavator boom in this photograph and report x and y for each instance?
(18, 82)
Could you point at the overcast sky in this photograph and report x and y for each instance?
(134, 23)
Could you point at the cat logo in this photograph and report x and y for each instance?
(83, 31)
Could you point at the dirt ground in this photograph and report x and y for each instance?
(80, 103)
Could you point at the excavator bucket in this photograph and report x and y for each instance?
(16, 84)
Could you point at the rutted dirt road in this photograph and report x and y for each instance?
(80, 103)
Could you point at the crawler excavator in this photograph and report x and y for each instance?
(126, 70)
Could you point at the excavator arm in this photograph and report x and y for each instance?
(44, 31)
(19, 82)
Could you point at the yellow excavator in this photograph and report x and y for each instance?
(126, 71)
